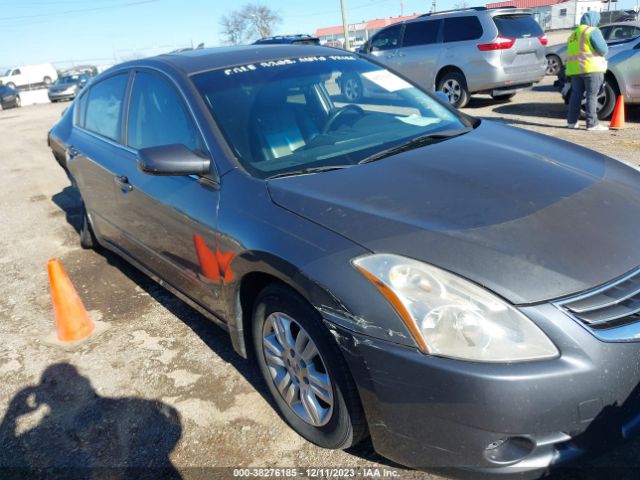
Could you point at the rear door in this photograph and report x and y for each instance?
(419, 56)
(94, 151)
(528, 52)
(168, 223)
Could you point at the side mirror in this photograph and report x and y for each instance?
(172, 160)
(442, 97)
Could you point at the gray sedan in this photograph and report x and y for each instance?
(464, 293)
(622, 78)
(67, 87)
(613, 34)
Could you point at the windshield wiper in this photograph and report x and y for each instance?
(416, 142)
(306, 171)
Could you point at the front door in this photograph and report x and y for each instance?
(168, 223)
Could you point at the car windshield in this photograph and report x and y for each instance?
(6, 73)
(68, 79)
(314, 113)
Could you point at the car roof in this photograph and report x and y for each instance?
(203, 59)
(631, 23)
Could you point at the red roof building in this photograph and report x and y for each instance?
(358, 32)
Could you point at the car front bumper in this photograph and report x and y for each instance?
(62, 96)
(430, 412)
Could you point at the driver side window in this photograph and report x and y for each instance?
(158, 116)
(387, 39)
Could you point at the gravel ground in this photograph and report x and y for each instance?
(162, 387)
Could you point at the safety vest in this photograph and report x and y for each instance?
(581, 57)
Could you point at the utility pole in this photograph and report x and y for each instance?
(433, 6)
(345, 26)
(402, 8)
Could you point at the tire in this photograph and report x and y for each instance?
(503, 98)
(46, 80)
(351, 88)
(554, 64)
(454, 86)
(18, 103)
(338, 421)
(11, 85)
(606, 101)
(87, 237)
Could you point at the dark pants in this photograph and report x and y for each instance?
(589, 83)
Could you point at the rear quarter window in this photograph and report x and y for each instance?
(517, 26)
(458, 29)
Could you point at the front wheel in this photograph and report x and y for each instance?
(352, 88)
(18, 102)
(304, 370)
(11, 85)
(454, 86)
(605, 101)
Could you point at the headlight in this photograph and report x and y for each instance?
(452, 317)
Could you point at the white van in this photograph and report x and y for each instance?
(27, 75)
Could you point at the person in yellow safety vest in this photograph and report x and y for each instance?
(585, 68)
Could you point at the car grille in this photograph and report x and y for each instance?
(613, 305)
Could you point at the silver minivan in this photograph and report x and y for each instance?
(461, 52)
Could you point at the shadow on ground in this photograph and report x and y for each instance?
(62, 429)
(68, 200)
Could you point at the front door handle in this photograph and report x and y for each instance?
(123, 182)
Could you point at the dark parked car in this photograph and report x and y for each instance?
(9, 98)
(67, 86)
(297, 39)
(463, 292)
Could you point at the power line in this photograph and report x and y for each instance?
(82, 10)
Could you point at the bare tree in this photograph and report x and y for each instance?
(251, 21)
(461, 5)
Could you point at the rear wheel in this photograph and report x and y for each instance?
(454, 86)
(554, 64)
(87, 237)
(304, 370)
(46, 80)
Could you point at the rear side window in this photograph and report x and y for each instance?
(458, 29)
(104, 106)
(158, 116)
(387, 39)
(517, 26)
(421, 33)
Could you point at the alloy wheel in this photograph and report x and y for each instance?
(351, 89)
(553, 65)
(297, 369)
(453, 90)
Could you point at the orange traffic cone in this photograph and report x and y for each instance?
(72, 321)
(207, 259)
(617, 119)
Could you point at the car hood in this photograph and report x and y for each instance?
(528, 216)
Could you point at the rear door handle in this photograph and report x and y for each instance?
(72, 152)
(123, 182)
